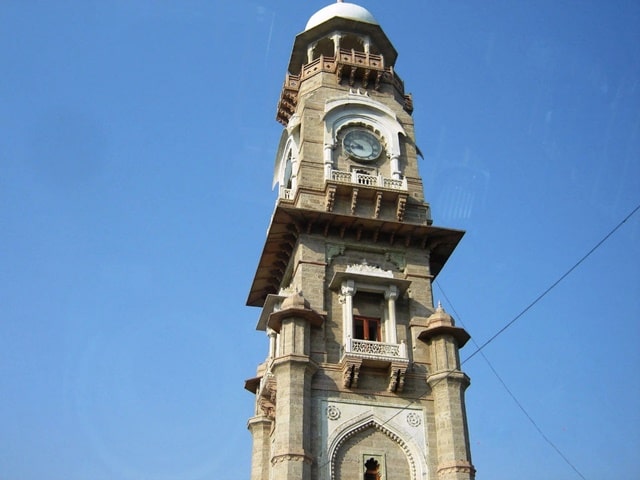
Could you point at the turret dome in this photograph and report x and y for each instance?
(349, 11)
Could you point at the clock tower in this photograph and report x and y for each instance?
(362, 376)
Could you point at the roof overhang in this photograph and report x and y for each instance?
(288, 223)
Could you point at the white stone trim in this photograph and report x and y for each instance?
(359, 109)
(355, 417)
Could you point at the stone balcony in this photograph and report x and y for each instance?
(390, 356)
(366, 68)
(365, 180)
(377, 351)
(354, 179)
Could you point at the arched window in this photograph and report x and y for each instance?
(372, 469)
(324, 47)
(351, 42)
(286, 181)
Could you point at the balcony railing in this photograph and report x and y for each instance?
(370, 349)
(286, 193)
(368, 180)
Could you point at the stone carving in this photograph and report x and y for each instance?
(414, 419)
(368, 347)
(460, 466)
(397, 258)
(376, 211)
(333, 250)
(330, 198)
(350, 373)
(292, 457)
(333, 412)
(396, 378)
(402, 203)
(381, 428)
(371, 270)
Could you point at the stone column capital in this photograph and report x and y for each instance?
(348, 288)
(391, 293)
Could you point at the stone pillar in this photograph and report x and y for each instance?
(293, 369)
(348, 290)
(390, 295)
(448, 385)
(328, 160)
(395, 166)
(272, 334)
(310, 53)
(260, 428)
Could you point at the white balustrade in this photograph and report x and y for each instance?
(368, 180)
(369, 348)
(286, 193)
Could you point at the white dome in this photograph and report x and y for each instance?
(350, 11)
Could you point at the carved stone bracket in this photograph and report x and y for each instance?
(350, 373)
(365, 77)
(339, 72)
(267, 395)
(333, 250)
(268, 408)
(397, 258)
(376, 213)
(396, 377)
(354, 200)
(402, 204)
(330, 198)
(268, 387)
(378, 78)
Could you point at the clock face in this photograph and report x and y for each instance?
(362, 145)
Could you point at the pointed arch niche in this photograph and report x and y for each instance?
(396, 451)
(286, 167)
(358, 108)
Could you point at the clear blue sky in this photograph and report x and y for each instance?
(137, 142)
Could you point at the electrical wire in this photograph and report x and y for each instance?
(553, 285)
(480, 348)
(511, 394)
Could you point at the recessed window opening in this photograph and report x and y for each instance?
(351, 42)
(288, 171)
(372, 469)
(324, 47)
(367, 328)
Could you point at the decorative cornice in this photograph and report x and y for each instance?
(372, 270)
(292, 457)
(460, 466)
(449, 375)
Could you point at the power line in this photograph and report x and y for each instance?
(553, 285)
(511, 394)
(526, 309)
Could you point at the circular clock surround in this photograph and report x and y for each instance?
(362, 145)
